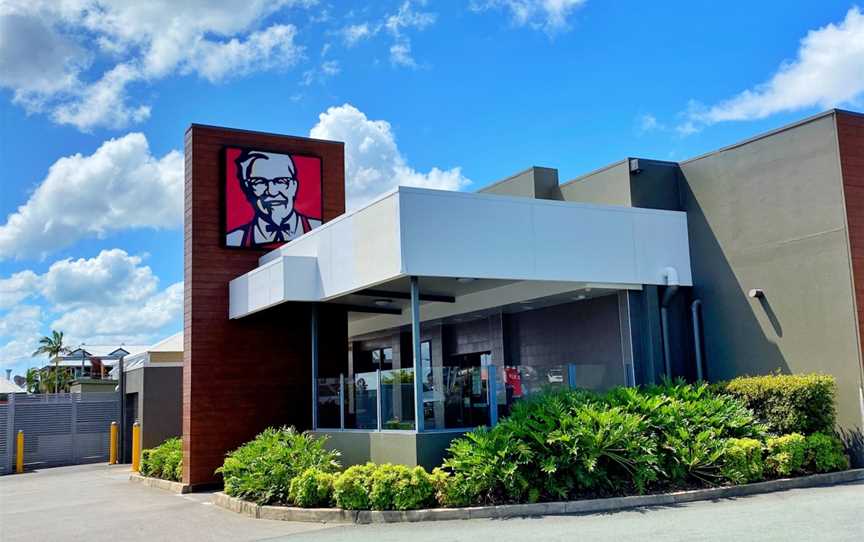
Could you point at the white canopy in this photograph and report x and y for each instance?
(444, 234)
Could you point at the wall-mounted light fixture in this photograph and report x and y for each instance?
(756, 293)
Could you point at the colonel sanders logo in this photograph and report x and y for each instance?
(271, 198)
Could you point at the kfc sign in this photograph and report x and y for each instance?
(270, 198)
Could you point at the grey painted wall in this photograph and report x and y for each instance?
(163, 405)
(608, 186)
(586, 333)
(769, 214)
(534, 182)
(160, 402)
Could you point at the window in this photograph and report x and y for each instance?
(379, 358)
(426, 354)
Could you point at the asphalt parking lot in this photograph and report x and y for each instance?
(98, 503)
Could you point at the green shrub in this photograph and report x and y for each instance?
(690, 424)
(786, 455)
(312, 488)
(385, 487)
(262, 470)
(147, 467)
(164, 461)
(488, 467)
(789, 403)
(742, 461)
(397, 487)
(575, 443)
(445, 494)
(825, 453)
(351, 488)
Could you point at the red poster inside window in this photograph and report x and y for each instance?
(270, 198)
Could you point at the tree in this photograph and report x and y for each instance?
(53, 347)
(33, 380)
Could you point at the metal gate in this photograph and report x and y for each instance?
(59, 429)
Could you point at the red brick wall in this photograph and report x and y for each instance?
(850, 136)
(240, 376)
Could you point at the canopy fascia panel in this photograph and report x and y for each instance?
(436, 233)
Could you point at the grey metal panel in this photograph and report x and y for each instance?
(5, 453)
(62, 429)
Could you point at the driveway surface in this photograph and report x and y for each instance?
(98, 503)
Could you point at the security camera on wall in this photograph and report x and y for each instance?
(756, 293)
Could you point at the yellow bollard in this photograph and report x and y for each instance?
(19, 456)
(112, 450)
(136, 446)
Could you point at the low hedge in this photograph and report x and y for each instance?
(789, 403)
(164, 461)
(568, 445)
(742, 461)
(384, 487)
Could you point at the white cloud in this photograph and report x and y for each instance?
(17, 288)
(400, 55)
(107, 299)
(647, 123)
(46, 45)
(353, 34)
(120, 186)
(828, 71)
(551, 16)
(35, 60)
(21, 320)
(330, 68)
(113, 277)
(124, 320)
(373, 161)
(396, 25)
(269, 49)
(103, 103)
(406, 17)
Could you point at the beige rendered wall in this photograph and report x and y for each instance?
(769, 214)
(399, 447)
(609, 186)
(166, 357)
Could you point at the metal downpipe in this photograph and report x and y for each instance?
(668, 294)
(697, 336)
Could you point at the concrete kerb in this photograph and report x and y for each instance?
(588, 506)
(158, 483)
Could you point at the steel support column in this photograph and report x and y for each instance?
(314, 351)
(418, 363)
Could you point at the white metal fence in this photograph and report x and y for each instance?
(59, 429)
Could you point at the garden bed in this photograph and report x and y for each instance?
(586, 506)
(158, 483)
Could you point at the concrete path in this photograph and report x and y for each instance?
(96, 503)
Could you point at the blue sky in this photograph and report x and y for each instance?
(95, 96)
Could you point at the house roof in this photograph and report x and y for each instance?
(174, 343)
(108, 353)
(7, 386)
(105, 350)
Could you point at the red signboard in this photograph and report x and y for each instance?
(270, 198)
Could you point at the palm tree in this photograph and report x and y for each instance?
(53, 347)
